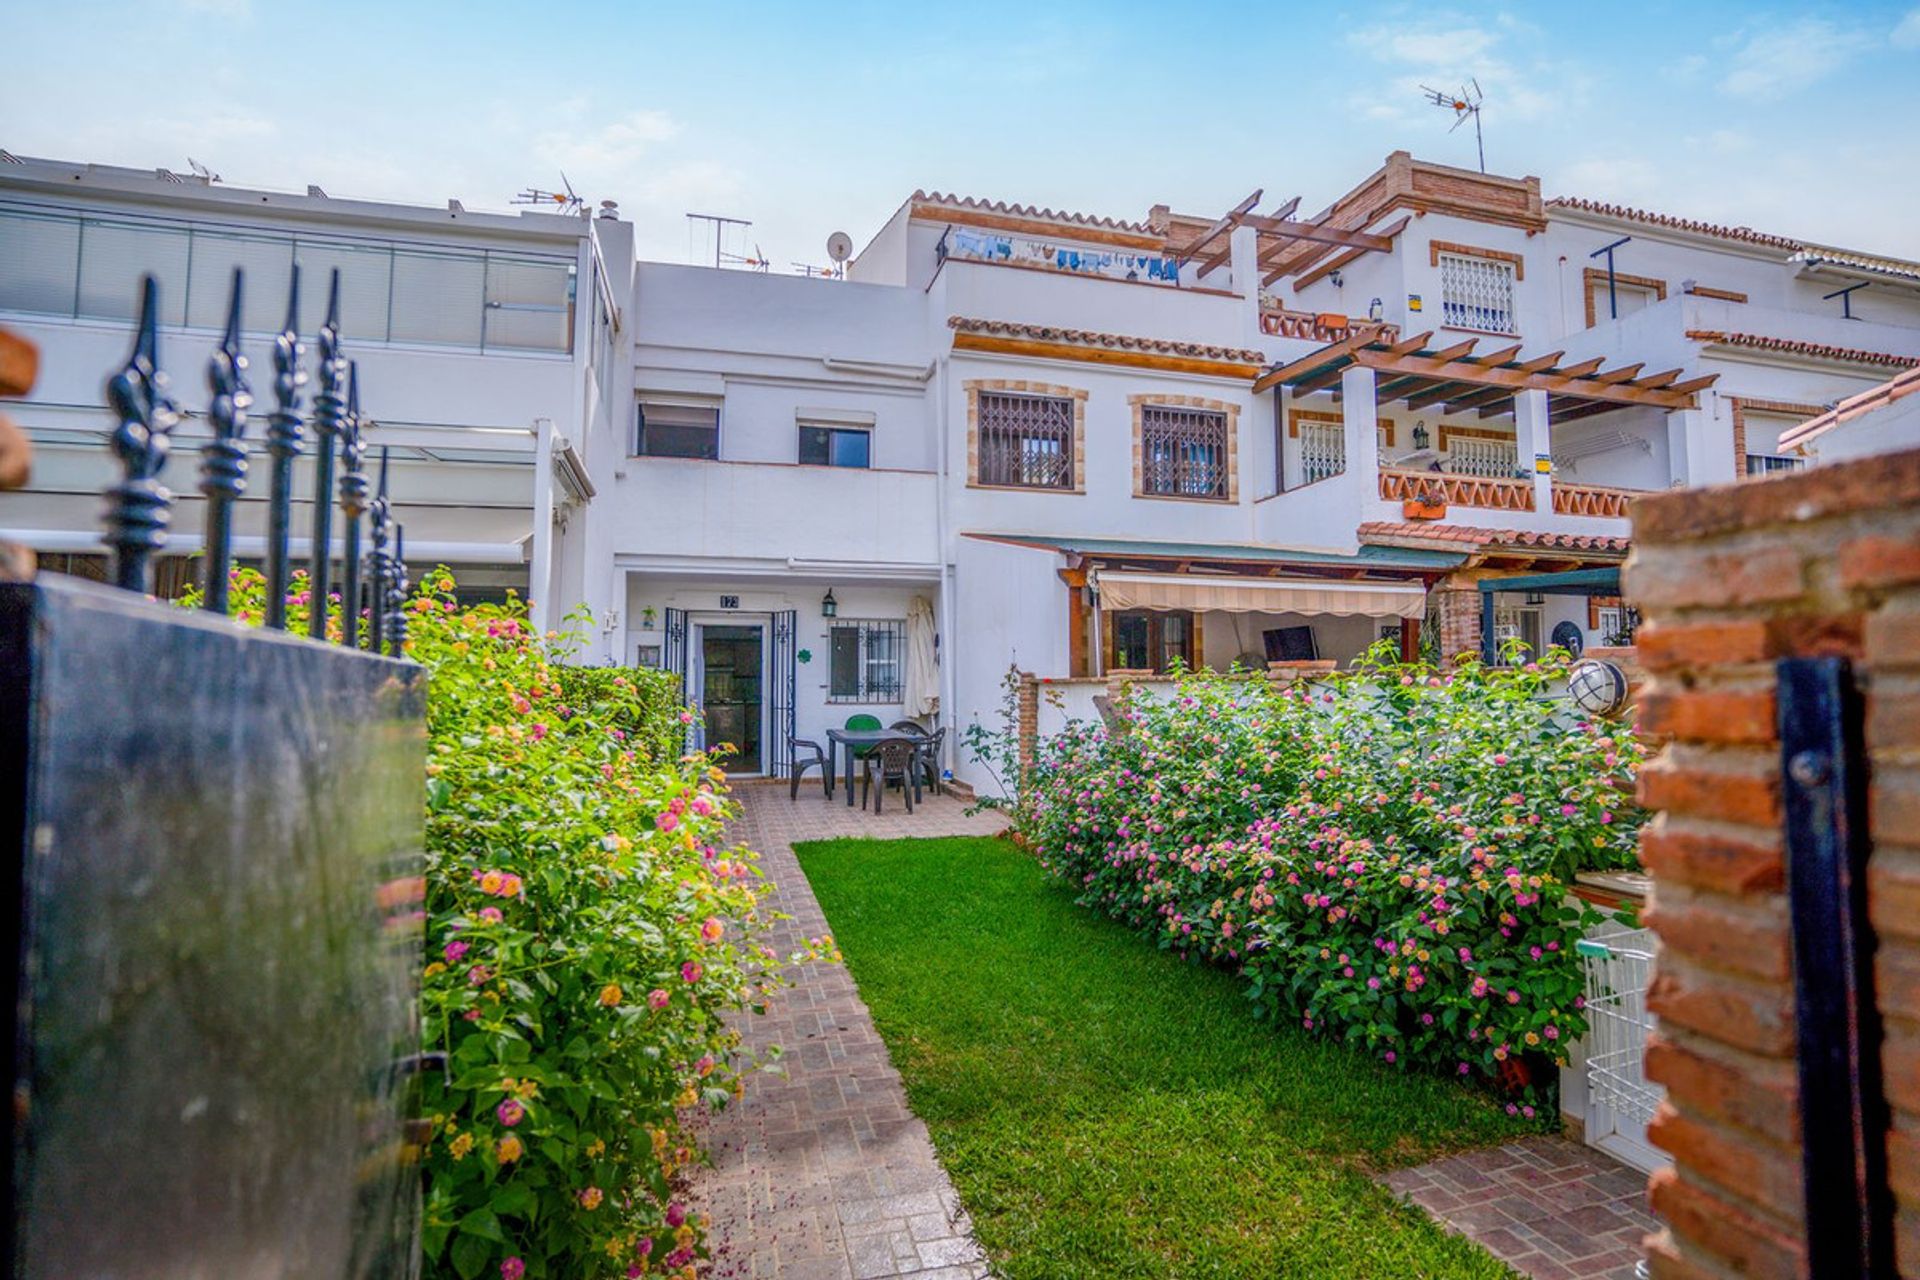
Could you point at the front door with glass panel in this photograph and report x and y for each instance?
(732, 694)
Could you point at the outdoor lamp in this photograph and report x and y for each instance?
(829, 607)
(1421, 436)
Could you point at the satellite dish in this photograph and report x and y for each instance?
(839, 246)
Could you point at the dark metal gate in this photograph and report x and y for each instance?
(1843, 1106)
(218, 841)
(783, 676)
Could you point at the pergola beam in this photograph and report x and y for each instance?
(1205, 238)
(1220, 256)
(1300, 266)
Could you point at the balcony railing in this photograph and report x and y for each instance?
(1278, 322)
(1439, 487)
(1592, 500)
(997, 249)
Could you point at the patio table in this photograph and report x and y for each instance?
(846, 742)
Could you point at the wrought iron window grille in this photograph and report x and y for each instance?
(1025, 441)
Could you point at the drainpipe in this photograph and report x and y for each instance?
(540, 552)
(943, 620)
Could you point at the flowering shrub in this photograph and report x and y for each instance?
(586, 930)
(1382, 854)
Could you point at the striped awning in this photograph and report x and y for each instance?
(1261, 595)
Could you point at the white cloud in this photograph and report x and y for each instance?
(1434, 46)
(1783, 59)
(616, 144)
(235, 9)
(1507, 59)
(1906, 32)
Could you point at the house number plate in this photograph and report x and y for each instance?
(729, 602)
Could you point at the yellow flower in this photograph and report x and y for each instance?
(460, 1146)
(1533, 1037)
(590, 1199)
(433, 969)
(528, 1089)
(610, 994)
(508, 1150)
(684, 1237)
(686, 1097)
(490, 882)
(595, 1148)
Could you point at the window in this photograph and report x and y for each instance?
(835, 446)
(87, 266)
(1766, 464)
(1323, 449)
(1146, 641)
(1183, 452)
(529, 304)
(1025, 441)
(1476, 293)
(866, 661)
(678, 431)
(1513, 622)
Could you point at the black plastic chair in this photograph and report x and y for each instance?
(929, 758)
(815, 757)
(890, 758)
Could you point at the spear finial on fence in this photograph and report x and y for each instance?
(397, 585)
(353, 502)
(377, 561)
(283, 443)
(139, 506)
(223, 466)
(329, 415)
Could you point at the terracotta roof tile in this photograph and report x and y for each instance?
(1391, 532)
(1814, 255)
(1897, 388)
(1112, 341)
(1030, 211)
(1797, 347)
(1746, 235)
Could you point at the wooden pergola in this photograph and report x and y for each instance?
(1454, 379)
(1280, 231)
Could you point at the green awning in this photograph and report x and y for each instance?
(1367, 557)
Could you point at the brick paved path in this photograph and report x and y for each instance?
(1548, 1207)
(825, 1174)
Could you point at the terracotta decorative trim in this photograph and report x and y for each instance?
(1626, 213)
(1020, 386)
(1136, 403)
(1437, 247)
(1723, 295)
(1595, 282)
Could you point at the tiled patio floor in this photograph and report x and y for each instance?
(1548, 1207)
(825, 1174)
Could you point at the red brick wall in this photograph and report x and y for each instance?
(1730, 579)
(1459, 610)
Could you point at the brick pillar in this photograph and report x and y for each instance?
(1730, 580)
(1459, 609)
(1028, 729)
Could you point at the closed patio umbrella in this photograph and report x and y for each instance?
(923, 679)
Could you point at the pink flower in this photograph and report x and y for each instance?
(491, 915)
(691, 971)
(510, 1112)
(702, 805)
(539, 731)
(1567, 811)
(712, 930)
(667, 821)
(478, 974)
(657, 999)
(676, 1214)
(1391, 1056)
(512, 1269)
(453, 951)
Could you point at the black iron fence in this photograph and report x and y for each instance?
(217, 899)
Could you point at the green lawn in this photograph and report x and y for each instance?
(1106, 1110)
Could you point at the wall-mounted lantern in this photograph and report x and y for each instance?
(829, 607)
(1421, 436)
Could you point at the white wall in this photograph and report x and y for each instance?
(759, 600)
(1010, 608)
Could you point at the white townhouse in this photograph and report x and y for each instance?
(479, 339)
(1010, 437)
(1083, 444)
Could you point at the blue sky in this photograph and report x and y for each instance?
(1799, 120)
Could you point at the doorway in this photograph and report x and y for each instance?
(731, 694)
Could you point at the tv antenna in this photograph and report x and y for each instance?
(1463, 104)
(568, 199)
(201, 171)
(718, 223)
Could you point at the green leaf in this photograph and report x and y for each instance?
(470, 1256)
